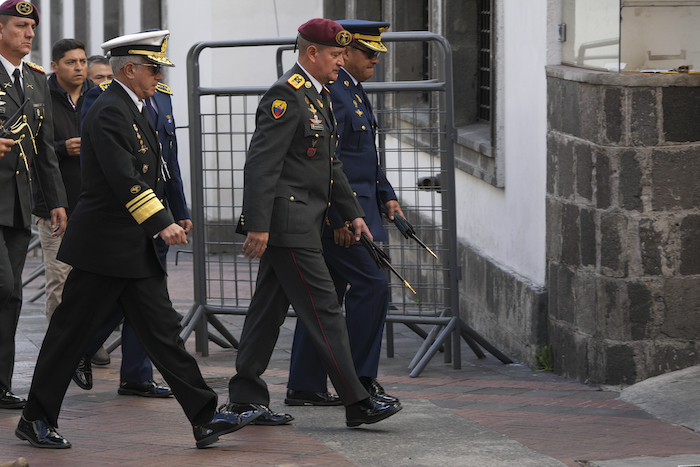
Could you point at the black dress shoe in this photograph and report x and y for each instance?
(224, 422)
(144, 389)
(311, 398)
(377, 391)
(368, 411)
(267, 417)
(10, 401)
(83, 374)
(40, 434)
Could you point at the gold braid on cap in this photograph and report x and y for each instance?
(158, 57)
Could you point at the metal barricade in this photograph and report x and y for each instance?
(416, 148)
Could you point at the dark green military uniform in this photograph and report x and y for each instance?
(291, 177)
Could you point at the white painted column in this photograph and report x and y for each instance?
(68, 19)
(132, 16)
(45, 25)
(96, 27)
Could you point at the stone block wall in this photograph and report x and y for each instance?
(623, 223)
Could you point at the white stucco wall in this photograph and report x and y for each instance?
(215, 20)
(508, 224)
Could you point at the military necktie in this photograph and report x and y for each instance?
(152, 115)
(327, 104)
(17, 86)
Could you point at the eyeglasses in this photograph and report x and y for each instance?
(369, 53)
(156, 68)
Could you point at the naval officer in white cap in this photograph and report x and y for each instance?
(110, 244)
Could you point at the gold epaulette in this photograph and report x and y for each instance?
(164, 88)
(36, 67)
(104, 85)
(296, 81)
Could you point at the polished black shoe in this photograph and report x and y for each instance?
(10, 401)
(267, 417)
(377, 391)
(40, 434)
(83, 374)
(369, 411)
(101, 357)
(311, 398)
(144, 389)
(224, 422)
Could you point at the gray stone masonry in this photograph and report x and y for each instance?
(623, 223)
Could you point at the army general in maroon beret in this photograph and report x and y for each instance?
(20, 9)
(291, 178)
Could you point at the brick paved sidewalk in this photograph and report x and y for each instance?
(486, 414)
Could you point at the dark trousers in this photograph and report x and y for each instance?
(13, 252)
(88, 299)
(366, 303)
(136, 367)
(296, 276)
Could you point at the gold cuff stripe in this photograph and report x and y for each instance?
(138, 199)
(143, 212)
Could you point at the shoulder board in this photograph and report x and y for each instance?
(104, 85)
(296, 81)
(35, 67)
(164, 88)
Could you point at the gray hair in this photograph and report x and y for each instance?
(118, 63)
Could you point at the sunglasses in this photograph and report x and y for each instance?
(369, 53)
(156, 68)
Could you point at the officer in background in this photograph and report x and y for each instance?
(99, 70)
(367, 299)
(30, 144)
(122, 177)
(291, 177)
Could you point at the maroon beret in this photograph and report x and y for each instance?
(21, 9)
(325, 32)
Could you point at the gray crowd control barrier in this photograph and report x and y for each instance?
(416, 149)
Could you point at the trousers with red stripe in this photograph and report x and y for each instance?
(300, 277)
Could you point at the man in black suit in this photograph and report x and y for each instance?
(31, 144)
(291, 178)
(110, 244)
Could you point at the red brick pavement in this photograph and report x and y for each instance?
(559, 418)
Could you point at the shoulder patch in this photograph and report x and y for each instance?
(296, 81)
(278, 108)
(104, 85)
(164, 88)
(36, 67)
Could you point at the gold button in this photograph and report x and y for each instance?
(331, 158)
(363, 127)
(354, 193)
(331, 181)
(17, 173)
(316, 135)
(291, 198)
(329, 204)
(377, 182)
(332, 136)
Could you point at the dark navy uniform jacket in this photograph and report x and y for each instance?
(119, 210)
(357, 152)
(165, 126)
